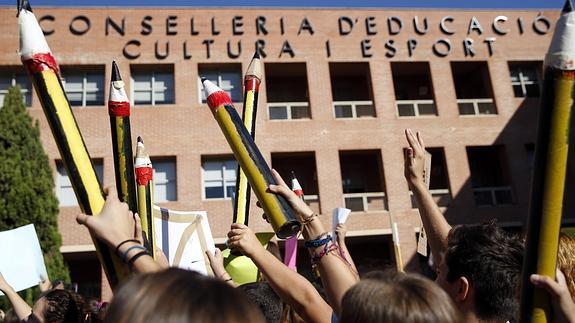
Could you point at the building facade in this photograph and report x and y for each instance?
(340, 86)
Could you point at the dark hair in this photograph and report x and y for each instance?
(261, 294)
(397, 298)
(176, 295)
(63, 306)
(491, 259)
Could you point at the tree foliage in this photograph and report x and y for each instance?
(26, 182)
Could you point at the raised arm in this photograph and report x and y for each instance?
(293, 288)
(336, 274)
(433, 220)
(341, 231)
(117, 226)
(21, 308)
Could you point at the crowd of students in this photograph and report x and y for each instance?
(478, 275)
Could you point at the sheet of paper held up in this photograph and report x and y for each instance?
(339, 216)
(184, 238)
(21, 259)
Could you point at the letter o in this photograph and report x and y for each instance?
(74, 29)
(541, 20)
(439, 51)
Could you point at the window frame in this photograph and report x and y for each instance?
(220, 69)
(84, 74)
(222, 160)
(152, 71)
(13, 75)
(521, 79)
(174, 181)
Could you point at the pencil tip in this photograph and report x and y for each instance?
(568, 7)
(203, 79)
(140, 140)
(115, 72)
(23, 4)
(256, 55)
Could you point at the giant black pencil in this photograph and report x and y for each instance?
(278, 211)
(119, 111)
(252, 81)
(43, 70)
(550, 167)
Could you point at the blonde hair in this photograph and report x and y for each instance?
(566, 260)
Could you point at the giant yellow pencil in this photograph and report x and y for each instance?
(43, 70)
(144, 179)
(279, 212)
(252, 81)
(119, 110)
(550, 167)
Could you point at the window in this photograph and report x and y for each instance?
(164, 179)
(287, 92)
(438, 179)
(525, 78)
(489, 175)
(362, 180)
(303, 165)
(351, 90)
(413, 89)
(65, 191)
(227, 76)
(12, 77)
(473, 88)
(85, 86)
(219, 176)
(153, 84)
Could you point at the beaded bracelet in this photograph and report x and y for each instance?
(325, 251)
(124, 255)
(135, 257)
(318, 242)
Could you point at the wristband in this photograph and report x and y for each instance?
(135, 257)
(318, 242)
(124, 242)
(125, 254)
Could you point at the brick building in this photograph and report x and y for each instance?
(339, 88)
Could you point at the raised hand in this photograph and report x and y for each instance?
(414, 159)
(114, 224)
(241, 237)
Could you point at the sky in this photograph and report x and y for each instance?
(519, 4)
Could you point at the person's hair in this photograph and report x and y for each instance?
(397, 298)
(491, 260)
(176, 295)
(566, 260)
(63, 306)
(261, 294)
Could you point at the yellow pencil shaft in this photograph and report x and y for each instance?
(257, 181)
(121, 173)
(74, 142)
(146, 213)
(554, 188)
(77, 161)
(398, 258)
(243, 194)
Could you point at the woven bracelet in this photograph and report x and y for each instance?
(318, 242)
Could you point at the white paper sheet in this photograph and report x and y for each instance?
(184, 238)
(21, 259)
(340, 215)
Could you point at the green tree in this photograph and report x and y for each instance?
(26, 182)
